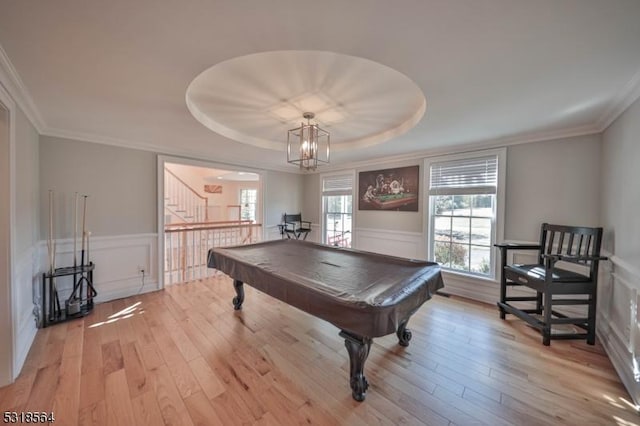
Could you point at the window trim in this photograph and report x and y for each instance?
(354, 183)
(498, 223)
(255, 209)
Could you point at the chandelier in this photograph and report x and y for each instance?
(308, 145)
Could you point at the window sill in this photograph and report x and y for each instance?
(469, 277)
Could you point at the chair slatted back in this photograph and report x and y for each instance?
(292, 218)
(571, 241)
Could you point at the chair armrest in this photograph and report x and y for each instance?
(516, 246)
(307, 222)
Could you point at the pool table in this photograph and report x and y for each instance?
(364, 294)
(393, 201)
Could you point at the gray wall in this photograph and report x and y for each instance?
(311, 198)
(621, 186)
(282, 194)
(27, 185)
(120, 182)
(553, 181)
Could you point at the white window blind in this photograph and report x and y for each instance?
(337, 185)
(464, 177)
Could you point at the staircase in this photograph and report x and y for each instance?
(183, 204)
(189, 233)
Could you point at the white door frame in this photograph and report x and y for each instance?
(8, 304)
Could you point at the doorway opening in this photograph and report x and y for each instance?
(205, 207)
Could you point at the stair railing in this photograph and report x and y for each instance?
(184, 200)
(187, 246)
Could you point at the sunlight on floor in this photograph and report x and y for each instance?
(630, 404)
(123, 314)
(623, 422)
(624, 405)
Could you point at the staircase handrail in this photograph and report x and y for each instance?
(188, 227)
(206, 200)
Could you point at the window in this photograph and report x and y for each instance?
(337, 209)
(248, 200)
(464, 206)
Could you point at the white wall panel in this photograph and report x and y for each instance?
(117, 260)
(393, 243)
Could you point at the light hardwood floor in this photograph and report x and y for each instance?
(183, 356)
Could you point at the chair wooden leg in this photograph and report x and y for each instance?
(547, 308)
(591, 318)
(503, 282)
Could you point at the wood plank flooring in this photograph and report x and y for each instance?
(183, 356)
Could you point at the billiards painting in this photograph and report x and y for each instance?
(389, 189)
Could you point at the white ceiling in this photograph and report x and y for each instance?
(491, 71)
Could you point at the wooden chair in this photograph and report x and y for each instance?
(566, 274)
(294, 225)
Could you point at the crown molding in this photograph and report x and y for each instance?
(627, 96)
(12, 82)
(418, 156)
(161, 150)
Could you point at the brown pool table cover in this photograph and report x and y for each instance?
(360, 292)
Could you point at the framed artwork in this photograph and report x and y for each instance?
(213, 189)
(389, 189)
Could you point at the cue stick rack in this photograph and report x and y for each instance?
(80, 302)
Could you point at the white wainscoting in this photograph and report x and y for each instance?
(412, 245)
(118, 260)
(272, 232)
(27, 291)
(618, 320)
(393, 243)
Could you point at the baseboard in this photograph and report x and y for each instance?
(126, 288)
(26, 335)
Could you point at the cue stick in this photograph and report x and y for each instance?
(75, 231)
(88, 263)
(51, 245)
(84, 227)
(50, 240)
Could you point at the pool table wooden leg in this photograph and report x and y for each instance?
(403, 334)
(358, 348)
(237, 301)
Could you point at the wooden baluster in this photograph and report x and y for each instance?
(170, 258)
(183, 259)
